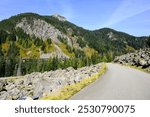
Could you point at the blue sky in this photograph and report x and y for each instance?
(131, 16)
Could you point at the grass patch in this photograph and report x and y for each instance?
(32, 52)
(89, 51)
(63, 47)
(69, 90)
(5, 48)
(50, 48)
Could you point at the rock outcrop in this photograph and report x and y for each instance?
(42, 29)
(59, 17)
(139, 58)
(37, 85)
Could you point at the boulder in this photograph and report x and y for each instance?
(10, 86)
(139, 58)
(77, 79)
(142, 62)
(5, 96)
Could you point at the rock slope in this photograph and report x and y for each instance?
(139, 58)
(37, 85)
(41, 29)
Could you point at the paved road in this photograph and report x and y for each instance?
(118, 83)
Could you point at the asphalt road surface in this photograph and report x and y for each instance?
(118, 83)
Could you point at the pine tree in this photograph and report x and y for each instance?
(148, 41)
(49, 41)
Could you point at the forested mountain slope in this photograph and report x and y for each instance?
(31, 42)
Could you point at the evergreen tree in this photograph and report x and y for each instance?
(2, 65)
(148, 41)
(49, 41)
(43, 48)
(38, 42)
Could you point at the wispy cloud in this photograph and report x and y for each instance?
(127, 9)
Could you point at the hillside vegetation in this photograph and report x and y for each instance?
(33, 43)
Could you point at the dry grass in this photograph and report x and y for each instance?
(63, 47)
(5, 48)
(89, 51)
(50, 48)
(32, 52)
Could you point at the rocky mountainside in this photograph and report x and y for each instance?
(49, 41)
(37, 85)
(59, 30)
(40, 29)
(139, 58)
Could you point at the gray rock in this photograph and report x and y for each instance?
(19, 82)
(1, 86)
(40, 84)
(148, 62)
(10, 86)
(15, 93)
(6, 96)
(77, 79)
(139, 58)
(42, 29)
(142, 62)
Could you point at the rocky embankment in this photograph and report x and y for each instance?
(139, 58)
(37, 85)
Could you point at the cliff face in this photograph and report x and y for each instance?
(42, 30)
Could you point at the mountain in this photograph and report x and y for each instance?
(41, 43)
(41, 28)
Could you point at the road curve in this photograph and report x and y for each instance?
(118, 83)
